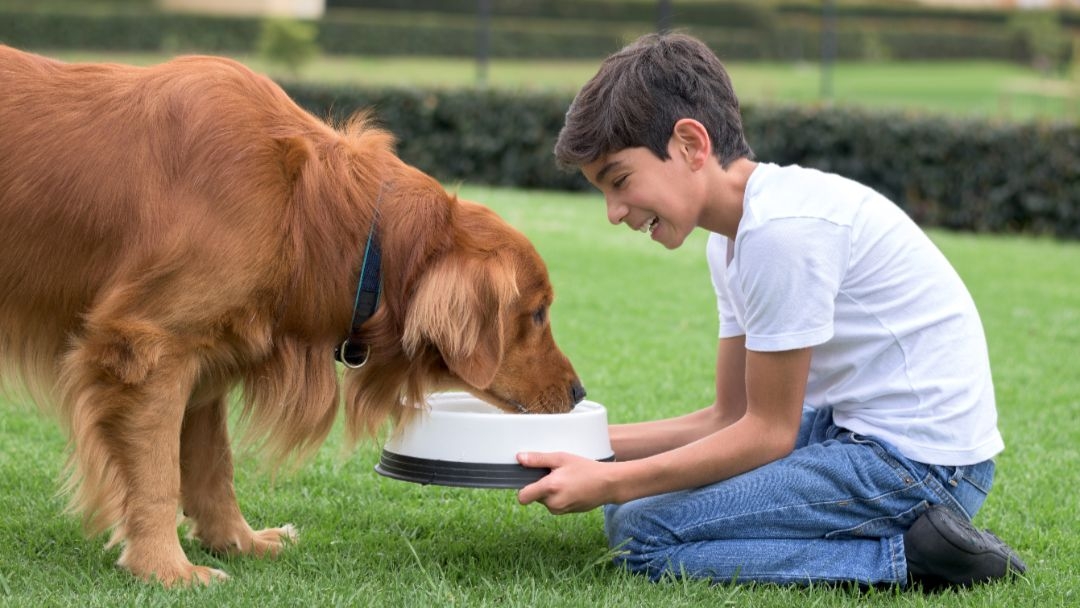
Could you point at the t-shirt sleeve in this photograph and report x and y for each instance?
(716, 254)
(790, 272)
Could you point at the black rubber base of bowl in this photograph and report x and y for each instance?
(462, 474)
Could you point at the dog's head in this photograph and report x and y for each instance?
(483, 306)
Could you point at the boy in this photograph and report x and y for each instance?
(854, 424)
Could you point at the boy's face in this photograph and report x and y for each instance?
(657, 197)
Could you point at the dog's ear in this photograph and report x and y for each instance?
(459, 308)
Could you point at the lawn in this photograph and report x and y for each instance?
(639, 324)
(975, 88)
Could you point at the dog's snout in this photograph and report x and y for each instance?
(577, 392)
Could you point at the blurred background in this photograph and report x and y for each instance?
(963, 111)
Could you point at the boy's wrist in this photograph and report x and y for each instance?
(624, 481)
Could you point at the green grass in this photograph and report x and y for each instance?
(976, 88)
(639, 323)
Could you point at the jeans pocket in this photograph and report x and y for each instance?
(907, 471)
(964, 488)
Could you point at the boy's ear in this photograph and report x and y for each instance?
(693, 141)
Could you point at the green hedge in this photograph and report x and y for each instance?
(962, 174)
(894, 12)
(484, 137)
(958, 174)
(390, 34)
(386, 32)
(729, 13)
(340, 34)
(127, 31)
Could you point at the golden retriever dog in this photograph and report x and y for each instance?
(170, 233)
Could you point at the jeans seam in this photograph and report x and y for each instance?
(983, 483)
(898, 559)
(904, 472)
(942, 493)
(910, 484)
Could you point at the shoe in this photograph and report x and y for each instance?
(943, 548)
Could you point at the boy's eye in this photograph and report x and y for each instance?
(620, 181)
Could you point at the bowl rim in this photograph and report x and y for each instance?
(425, 471)
(468, 448)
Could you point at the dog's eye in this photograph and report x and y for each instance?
(539, 315)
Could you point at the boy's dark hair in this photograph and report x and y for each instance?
(641, 91)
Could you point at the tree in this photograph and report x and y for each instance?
(288, 43)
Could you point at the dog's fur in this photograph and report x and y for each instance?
(169, 233)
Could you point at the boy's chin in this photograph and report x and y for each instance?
(669, 238)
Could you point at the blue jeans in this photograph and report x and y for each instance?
(834, 510)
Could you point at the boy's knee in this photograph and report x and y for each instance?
(634, 527)
(642, 540)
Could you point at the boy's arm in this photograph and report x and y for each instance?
(642, 439)
(775, 390)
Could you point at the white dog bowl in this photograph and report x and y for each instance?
(463, 441)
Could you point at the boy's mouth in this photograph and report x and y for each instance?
(650, 225)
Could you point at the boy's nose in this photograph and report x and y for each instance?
(616, 212)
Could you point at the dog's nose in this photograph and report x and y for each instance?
(577, 392)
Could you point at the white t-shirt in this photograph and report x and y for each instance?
(898, 348)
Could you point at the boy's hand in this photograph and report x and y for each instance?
(574, 485)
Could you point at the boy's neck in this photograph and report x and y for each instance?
(724, 208)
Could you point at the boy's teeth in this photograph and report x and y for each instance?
(648, 226)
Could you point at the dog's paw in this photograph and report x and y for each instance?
(260, 543)
(180, 575)
(199, 575)
(272, 540)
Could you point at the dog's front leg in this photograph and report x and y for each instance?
(208, 496)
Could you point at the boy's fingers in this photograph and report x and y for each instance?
(531, 493)
(536, 491)
(541, 460)
(531, 459)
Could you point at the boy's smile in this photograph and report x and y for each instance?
(650, 225)
(668, 198)
(645, 193)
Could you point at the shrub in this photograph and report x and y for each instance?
(1044, 38)
(960, 174)
(288, 43)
